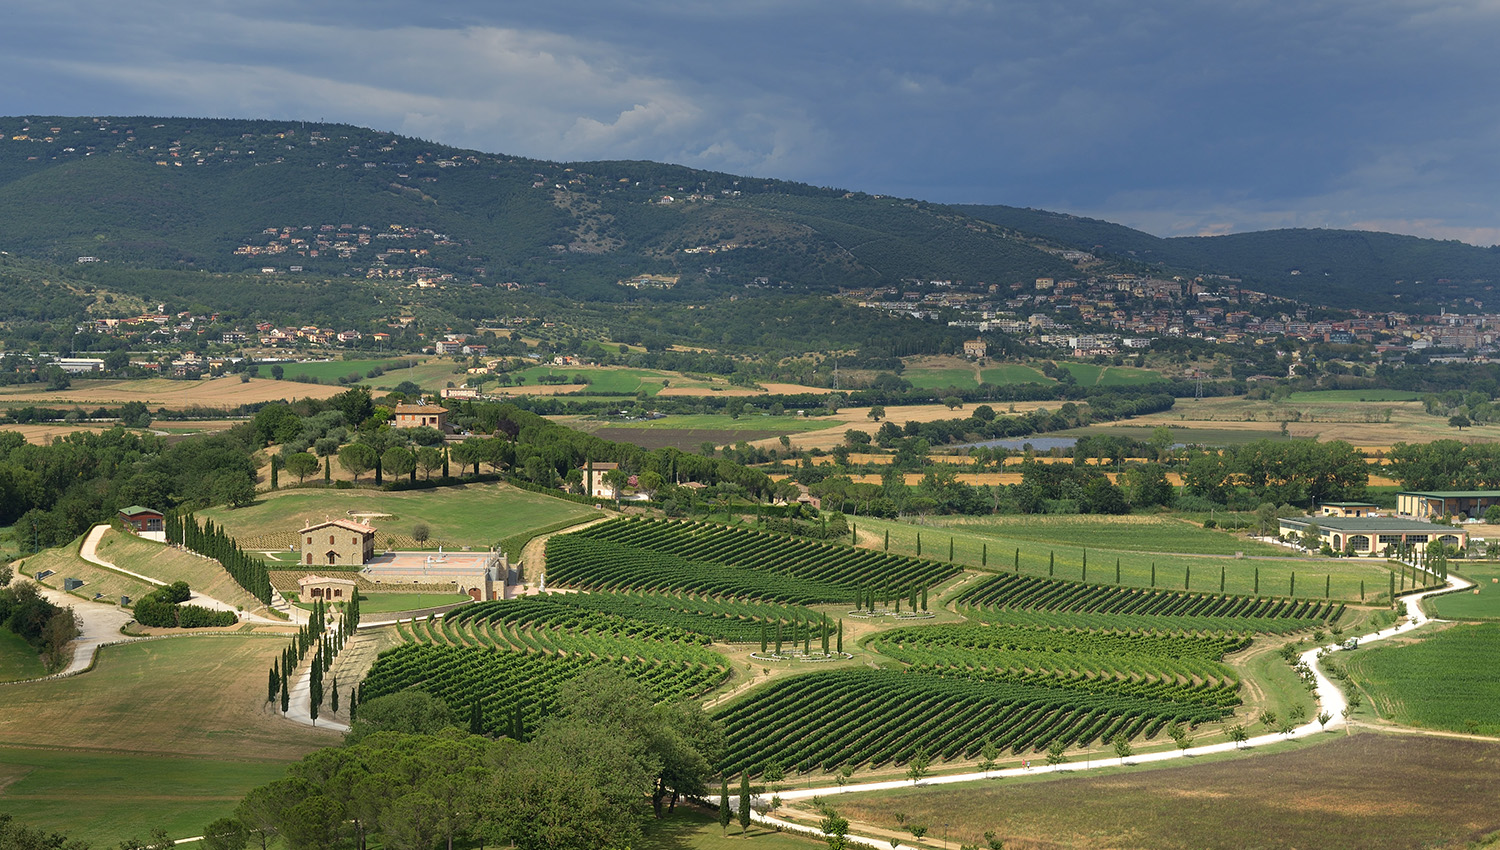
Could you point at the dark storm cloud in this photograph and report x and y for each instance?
(1173, 116)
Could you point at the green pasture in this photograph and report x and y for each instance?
(1092, 375)
(1341, 396)
(475, 515)
(166, 564)
(1143, 533)
(939, 378)
(1469, 604)
(1012, 373)
(789, 424)
(1448, 680)
(1197, 572)
(162, 733)
(328, 372)
(103, 797)
(18, 660)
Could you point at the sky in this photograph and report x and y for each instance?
(1178, 117)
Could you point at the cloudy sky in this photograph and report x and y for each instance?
(1174, 116)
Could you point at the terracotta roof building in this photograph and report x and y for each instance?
(421, 415)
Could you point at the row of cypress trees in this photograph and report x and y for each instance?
(212, 541)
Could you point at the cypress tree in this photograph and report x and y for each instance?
(286, 692)
(1221, 579)
(841, 636)
(887, 540)
(273, 685)
(517, 725)
(1117, 571)
(744, 802)
(327, 469)
(353, 703)
(1327, 585)
(1018, 559)
(919, 544)
(476, 719)
(724, 816)
(762, 637)
(1153, 574)
(1361, 590)
(275, 465)
(1187, 577)
(333, 699)
(1292, 590)
(1257, 581)
(1051, 563)
(924, 599)
(778, 635)
(950, 548)
(825, 634)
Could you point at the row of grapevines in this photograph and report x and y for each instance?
(774, 553)
(702, 619)
(504, 683)
(875, 717)
(1011, 592)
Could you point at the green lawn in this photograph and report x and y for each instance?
(1449, 680)
(1470, 605)
(1316, 396)
(691, 828)
(167, 733)
(385, 603)
(937, 379)
(329, 372)
(1013, 373)
(1250, 575)
(475, 515)
(103, 798)
(18, 660)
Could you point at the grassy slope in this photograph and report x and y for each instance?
(1342, 794)
(470, 515)
(98, 756)
(65, 563)
(1482, 603)
(166, 564)
(18, 660)
(1135, 567)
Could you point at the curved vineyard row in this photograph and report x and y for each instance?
(590, 564)
(771, 553)
(702, 619)
(1004, 594)
(505, 682)
(1181, 668)
(877, 717)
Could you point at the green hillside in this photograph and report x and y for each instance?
(1329, 267)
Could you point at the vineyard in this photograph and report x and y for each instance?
(705, 619)
(716, 560)
(1018, 599)
(511, 686)
(1176, 667)
(880, 717)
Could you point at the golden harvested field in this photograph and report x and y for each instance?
(42, 435)
(858, 419)
(224, 392)
(1360, 423)
(975, 478)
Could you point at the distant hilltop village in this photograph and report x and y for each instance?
(1118, 313)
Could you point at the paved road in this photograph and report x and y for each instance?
(1329, 698)
(89, 551)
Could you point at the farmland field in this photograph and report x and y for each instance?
(1366, 792)
(938, 379)
(1402, 686)
(1090, 375)
(329, 371)
(1317, 396)
(1012, 373)
(466, 515)
(224, 392)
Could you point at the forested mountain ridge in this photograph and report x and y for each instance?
(235, 196)
(1336, 268)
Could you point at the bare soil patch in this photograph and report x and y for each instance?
(223, 392)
